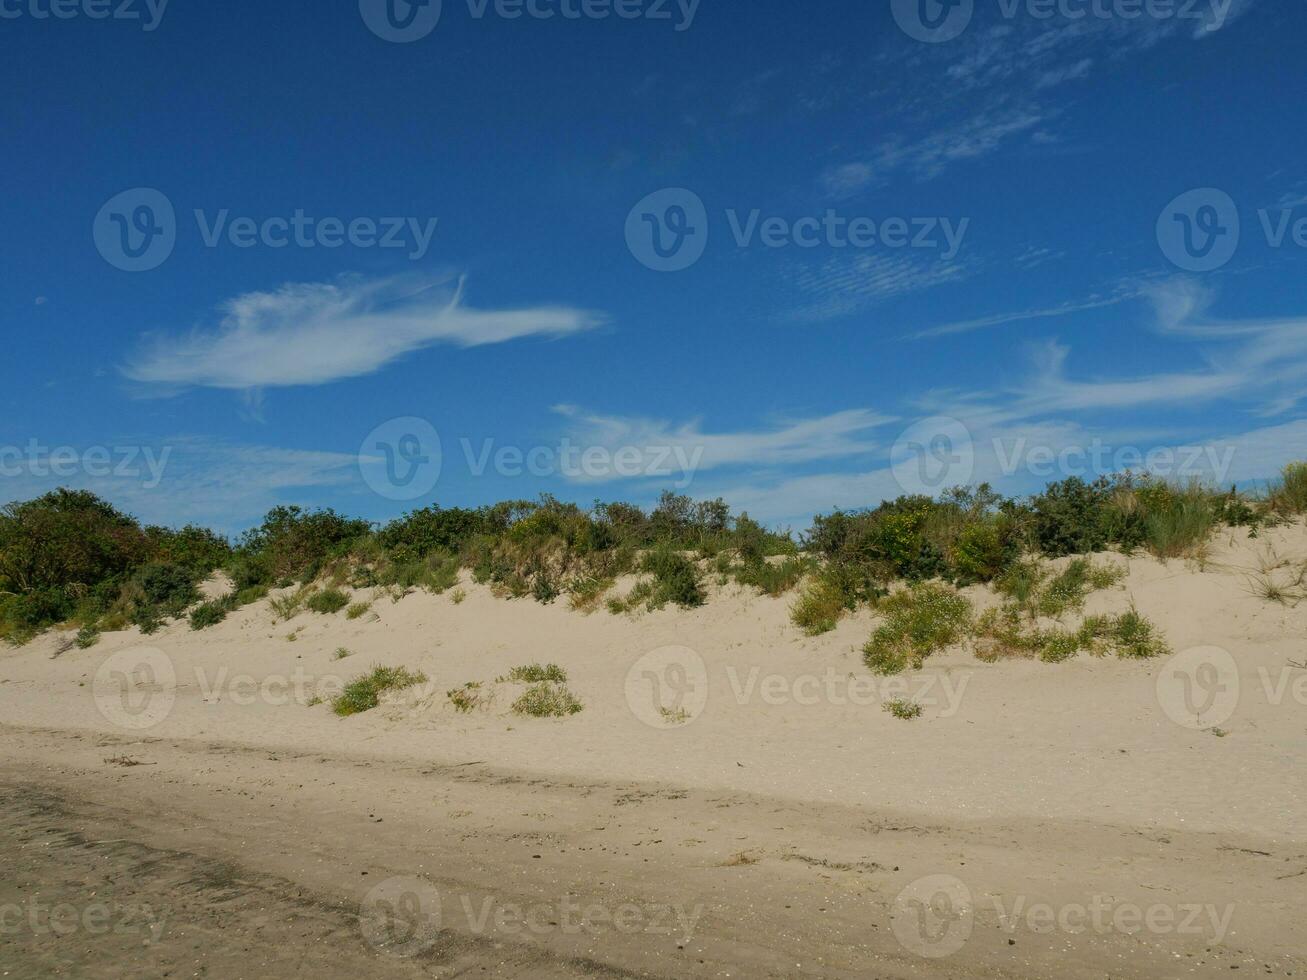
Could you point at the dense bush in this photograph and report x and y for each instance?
(292, 544)
(70, 555)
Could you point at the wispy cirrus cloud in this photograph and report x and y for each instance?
(1012, 67)
(316, 333)
(845, 284)
(787, 442)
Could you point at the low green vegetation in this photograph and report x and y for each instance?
(547, 700)
(364, 693)
(903, 709)
(70, 559)
(328, 601)
(357, 609)
(535, 673)
(467, 698)
(918, 622)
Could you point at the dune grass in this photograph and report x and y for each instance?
(364, 693)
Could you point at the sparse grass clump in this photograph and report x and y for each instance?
(1289, 496)
(585, 592)
(820, 605)
(535, 673)
(341, 653)
(467, 698)
(1134, 637)
(328, 601)
(772, 578)
(919, 621)
(458, 596)
(357, 609)
(288, 606)
(1003, 633)
(547, 700)
(87, 637)
(903, 709)
(364, 693)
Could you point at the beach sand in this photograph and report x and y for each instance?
(778, 822)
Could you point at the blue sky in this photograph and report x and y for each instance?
(1020, 289)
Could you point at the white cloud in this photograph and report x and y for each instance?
(315, 333)
(845, 284)
(665, 448)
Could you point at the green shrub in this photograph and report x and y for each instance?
(1070, 518)
(676, 579)
(328, 601)
(209, 614)
(984, 549)
(547, 701)
(364, 693)
(170, 587)
(294, 543)
(919, 621)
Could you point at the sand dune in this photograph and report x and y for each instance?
(776, 785)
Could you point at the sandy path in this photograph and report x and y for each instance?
(252, 862)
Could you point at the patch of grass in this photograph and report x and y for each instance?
(1021, 582)
(209, 614)
(1066, 591)
(919, 621)
(364, 693)
(288, 606)
(535, 673)
(1289, 496)
(820, 605)
(467, 698)
(357, 610)
(547, 701)
(585, 593)
(87, 637)
(1178, 521)
(341, 653)
(328, 601)
(772, 578)
(903, 709)
(1002, 633)
(679, 716)
(1135, 637)
(458, 596)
